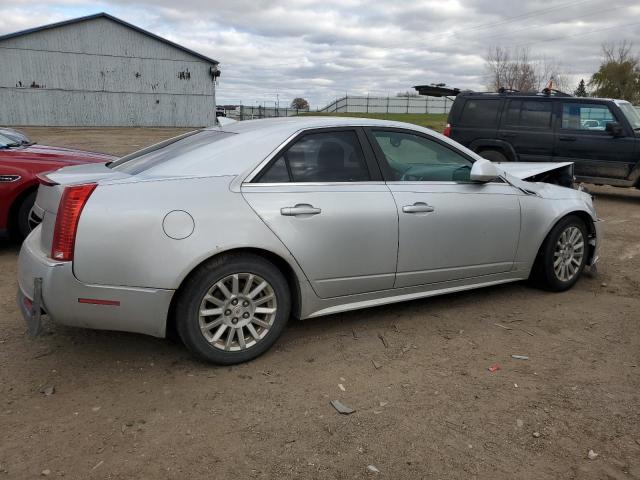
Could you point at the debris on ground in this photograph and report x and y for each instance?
(341, 387)
(502, 326)
(519, 423)
(384, 341)
(341, 407)
(494, 368)
(592, 455)
(383, 404)
(536, 434)
(376, 365)
(372, 469)
(48, 390)
(45, 473)
(520, 357)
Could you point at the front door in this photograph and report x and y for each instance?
(450, 228)
(323, 196)
(582, 139)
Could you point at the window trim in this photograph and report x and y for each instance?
(375, 175)
(386, 169)
(584, 131)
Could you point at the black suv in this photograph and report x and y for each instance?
(601, 136)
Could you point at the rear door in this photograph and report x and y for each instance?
(582, 139)
(527, 124)
(324, 197)
(477, 119)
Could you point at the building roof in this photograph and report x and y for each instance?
(113, 19)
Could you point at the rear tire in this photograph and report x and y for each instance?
(562, 256)
(22, 219)
(233, 308)
(493, 155)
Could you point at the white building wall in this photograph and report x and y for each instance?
(101, 73)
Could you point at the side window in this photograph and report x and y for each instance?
(529, 114)
(320, 157)
(412, 157)
(585, 116)
(481, 113)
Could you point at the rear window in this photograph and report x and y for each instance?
(529, 114)
(159, 153)
(481, 113)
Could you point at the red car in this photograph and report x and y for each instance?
(20, 162)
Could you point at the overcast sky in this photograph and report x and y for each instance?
(321, 49)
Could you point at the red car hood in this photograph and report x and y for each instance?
(65, 156)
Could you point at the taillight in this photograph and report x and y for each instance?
(447, 130)
(72, 202)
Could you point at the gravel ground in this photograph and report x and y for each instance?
(128, 406)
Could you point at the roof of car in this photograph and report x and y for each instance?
(530, 95)
(290, 125)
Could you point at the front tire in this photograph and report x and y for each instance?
(563, 255)
(233, 308)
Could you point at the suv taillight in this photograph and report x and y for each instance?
(447, 130)
(72, 202)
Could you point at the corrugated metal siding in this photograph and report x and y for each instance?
(101, 73)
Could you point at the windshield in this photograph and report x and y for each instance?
(13, 138)
(631, 113)
(157, 154)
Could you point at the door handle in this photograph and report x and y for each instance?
(418, 207)
(300, 209)
(566, 138)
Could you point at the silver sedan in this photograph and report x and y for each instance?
(223, 234)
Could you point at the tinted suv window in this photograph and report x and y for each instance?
(481, 113)
(320, 157)
(412, 157)
(585, 116)
(529, 114)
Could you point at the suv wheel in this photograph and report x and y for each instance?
(493, 155)
(233, 308)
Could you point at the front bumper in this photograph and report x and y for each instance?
(595, 241)
(49, 287)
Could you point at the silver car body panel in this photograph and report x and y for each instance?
(345, 257)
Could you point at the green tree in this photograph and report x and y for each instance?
(581, 91)
(619, 74)
(300, 103)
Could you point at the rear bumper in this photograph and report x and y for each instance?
(69, 302)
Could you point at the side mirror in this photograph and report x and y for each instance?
(614, 128)
(483, 171)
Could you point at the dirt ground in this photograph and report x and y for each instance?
(129, 406)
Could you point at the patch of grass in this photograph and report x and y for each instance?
(434, 121)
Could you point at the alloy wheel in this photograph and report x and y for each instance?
(568, 254)
(237, 311)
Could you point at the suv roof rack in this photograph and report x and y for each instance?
(441, 90)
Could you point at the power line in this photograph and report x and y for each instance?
(578, 34)
(578, 17)
(533, 13)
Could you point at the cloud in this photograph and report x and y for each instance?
(272, 49)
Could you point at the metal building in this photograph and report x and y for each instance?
(102, 71)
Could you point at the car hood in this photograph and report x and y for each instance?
(65, 156)
(527, 170)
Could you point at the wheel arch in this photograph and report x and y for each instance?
(12, 214)
(293, 281)
(492, 144)
(589, 223)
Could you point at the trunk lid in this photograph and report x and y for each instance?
(45, 209)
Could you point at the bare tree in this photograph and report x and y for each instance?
(514, 69)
